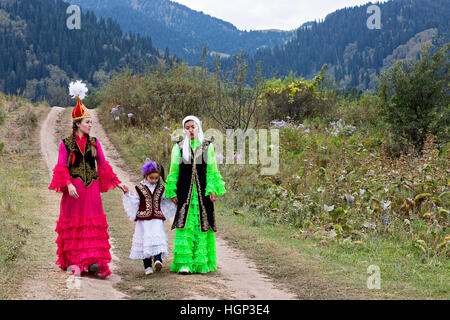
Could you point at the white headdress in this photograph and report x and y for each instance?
(187, 138)
(78, 89)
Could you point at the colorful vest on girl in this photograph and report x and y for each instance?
(83, 166)
(188, 174)
(150, 203)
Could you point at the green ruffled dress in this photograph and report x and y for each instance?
(194, 249)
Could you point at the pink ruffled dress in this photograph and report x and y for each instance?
(83, 238)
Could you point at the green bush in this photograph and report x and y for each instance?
(152, 98)
(414, 96)
(295, 98)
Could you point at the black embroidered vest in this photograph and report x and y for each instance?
(84, 166)
(188, 174)
(150, 203)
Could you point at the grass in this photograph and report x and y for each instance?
(23, 176)
(284, 241)
(334, 271)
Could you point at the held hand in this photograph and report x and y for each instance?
(213, 197)
(72, 191)
(124, 188)
(175, 200)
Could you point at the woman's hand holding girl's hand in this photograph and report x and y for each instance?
(124, 188)
(213, 197)
(72, 191)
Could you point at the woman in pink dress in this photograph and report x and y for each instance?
(83, 240)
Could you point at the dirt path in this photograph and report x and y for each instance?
(237, 276)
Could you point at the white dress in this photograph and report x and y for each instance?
(149, 237)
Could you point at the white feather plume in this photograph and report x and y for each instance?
(78, 89)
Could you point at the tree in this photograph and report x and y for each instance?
(235, 102)
(415, 96)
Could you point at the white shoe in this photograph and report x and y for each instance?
(184, 271)
(158, 266)
(148, 271)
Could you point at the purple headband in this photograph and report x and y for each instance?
(150, 166)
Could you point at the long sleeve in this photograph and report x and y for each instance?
(131, 205)
(107, 179)
(61, 176)
(214, 182)
(172, 178)
(168, 207)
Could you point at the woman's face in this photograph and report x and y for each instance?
(85, 125)
(192, 129)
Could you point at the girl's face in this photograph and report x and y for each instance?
(85, 126)
(192, 129)
(152, 178)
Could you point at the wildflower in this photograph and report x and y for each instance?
(350, 199)
(307, 131)
(385, 204)
(219, 157)
(130, 115)
(349, 130)
(279, 124)
(113, 110)
(117, 119)
(147, 136)
(166, 128)
(327, 208)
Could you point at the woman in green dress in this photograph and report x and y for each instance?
(194, 183)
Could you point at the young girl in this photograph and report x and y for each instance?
(149, 209)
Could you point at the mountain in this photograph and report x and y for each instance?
(355, 54)
(40, 55)
(182, 30)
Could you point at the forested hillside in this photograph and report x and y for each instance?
(354, 53)
(40, 55)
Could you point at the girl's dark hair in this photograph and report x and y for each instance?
(73, 143)
(159, 170)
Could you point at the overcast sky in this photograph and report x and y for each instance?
(270, 14)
